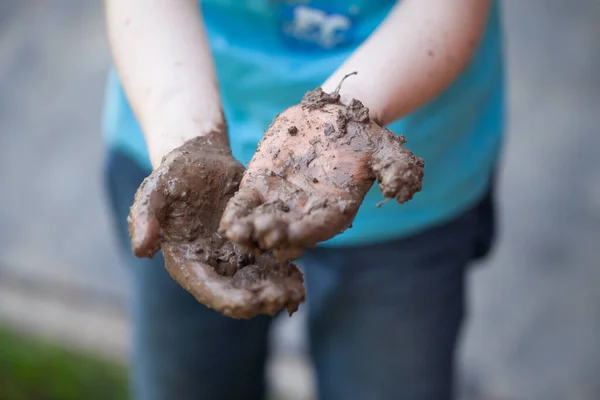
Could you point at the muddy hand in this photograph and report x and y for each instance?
(311, 172)
(178, 207)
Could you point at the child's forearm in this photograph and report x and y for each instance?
(164, 62)
(416, 53)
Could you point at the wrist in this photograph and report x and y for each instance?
(162, 143)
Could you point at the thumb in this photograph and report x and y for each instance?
(145, 216)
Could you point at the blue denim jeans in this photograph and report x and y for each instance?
(384, 320)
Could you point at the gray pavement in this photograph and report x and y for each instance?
(535, 320)
(534, 324)
(53, 224)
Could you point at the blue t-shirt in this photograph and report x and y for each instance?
(269, 53)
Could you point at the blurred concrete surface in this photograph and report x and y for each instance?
(533, 331)
(535, 320)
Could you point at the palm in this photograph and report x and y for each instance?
(310, 174)
(178, 208)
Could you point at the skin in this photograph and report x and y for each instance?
(161, 54)
(413, 55)
(164, 62)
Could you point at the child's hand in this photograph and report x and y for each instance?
(178, 208)
(311, 172)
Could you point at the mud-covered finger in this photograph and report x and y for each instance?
(143, 220)
(270, 230)
(400, 179)
(244, 295)
(398, 171)
(288, 280)
(322, 223)
(233, 223)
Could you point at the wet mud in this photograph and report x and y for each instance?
(178, 208)
(311, 172)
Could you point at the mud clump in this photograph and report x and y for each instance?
(316, 99)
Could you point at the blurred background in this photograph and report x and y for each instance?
(534, 328)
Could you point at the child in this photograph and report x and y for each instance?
(386, 297)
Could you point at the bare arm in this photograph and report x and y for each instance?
(164, 61)
(417, 52)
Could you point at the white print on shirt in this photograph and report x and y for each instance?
(317, 26)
